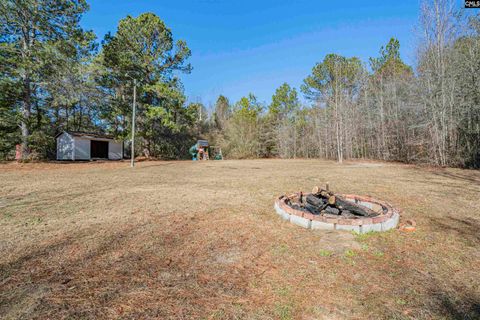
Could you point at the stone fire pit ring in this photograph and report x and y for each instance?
(387, 218)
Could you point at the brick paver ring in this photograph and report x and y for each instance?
(386, 219)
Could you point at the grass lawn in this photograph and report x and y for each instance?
(201, 240)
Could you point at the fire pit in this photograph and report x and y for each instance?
(325, 210)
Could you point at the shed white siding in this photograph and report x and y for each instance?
(65, 146)
(72, 146)
(82, 149)
(115, 150)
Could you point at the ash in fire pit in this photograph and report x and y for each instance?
(323, 209)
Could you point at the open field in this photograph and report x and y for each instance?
(200, 240)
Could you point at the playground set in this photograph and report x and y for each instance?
(202, 151)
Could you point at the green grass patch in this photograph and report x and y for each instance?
(283, 291)
(378, 254)
(283, 311)
(350, 253)
(325, 253)
(365, 236)
(280, 249)
(7, 215)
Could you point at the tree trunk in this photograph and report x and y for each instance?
(26, 114)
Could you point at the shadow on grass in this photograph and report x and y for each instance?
(50, 198)
(466, 228)
(467, 176)
(460, 303)
(144, 270)
(440, 183)
(35, 269)
(464, 309)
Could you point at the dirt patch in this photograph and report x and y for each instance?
(228, 257)
(338, 242)
(367, 165)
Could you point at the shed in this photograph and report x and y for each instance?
(76, 145)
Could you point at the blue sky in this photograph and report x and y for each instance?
(254, 46)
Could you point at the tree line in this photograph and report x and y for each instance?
(55, 76)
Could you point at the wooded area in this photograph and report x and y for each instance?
(55, 76)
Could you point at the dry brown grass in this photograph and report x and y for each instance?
(200, 240)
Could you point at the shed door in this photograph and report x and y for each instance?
(99, 149)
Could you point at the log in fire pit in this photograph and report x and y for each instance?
(323, 209)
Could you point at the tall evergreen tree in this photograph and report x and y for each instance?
(29, 34)
(334, 83)
(143, 49)
(222, 111)
(281, 122)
